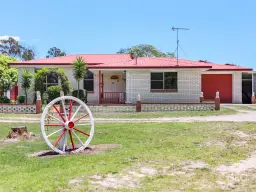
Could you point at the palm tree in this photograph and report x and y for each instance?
(26, 82)
(79, 68)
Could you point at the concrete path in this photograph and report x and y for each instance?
(241, 116)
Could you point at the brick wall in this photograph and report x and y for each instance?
(189, 87)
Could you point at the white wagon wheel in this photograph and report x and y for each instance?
(67, 117)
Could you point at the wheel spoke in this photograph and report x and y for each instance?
(54, 133)
(81, 131)
(81, 117)
(58, 112)
(70, 109)
(76, 112)
(71, 139)
(78, 138)
(55, 125)
(64, 109)
(54, 117)
(83, 124)
(61, 135)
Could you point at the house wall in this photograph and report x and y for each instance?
(113, 85)
(189, 86)
(236, 84)
(30, 92)
(92, 97)
(254, 83)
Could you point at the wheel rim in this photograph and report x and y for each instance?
(67, 125)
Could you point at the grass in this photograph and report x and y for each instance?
(223, 111)
(141, 144)
(243, 107)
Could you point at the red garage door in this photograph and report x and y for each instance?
(222, 83)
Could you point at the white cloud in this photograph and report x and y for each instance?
(5, 37)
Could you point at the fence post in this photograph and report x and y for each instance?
(253, 98)
(217, 101)
(38, 102)
(202, 97)
(138, 104)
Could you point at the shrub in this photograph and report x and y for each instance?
(4, 99)
(45, 98)
(53, 92)
(13, 102)
(21, 99)
(82, 94)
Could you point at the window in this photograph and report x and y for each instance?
(164, 81)
(88, 81)
(50, 80)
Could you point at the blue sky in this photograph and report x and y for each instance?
(221, 31)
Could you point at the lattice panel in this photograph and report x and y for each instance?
(177, 107)
(18, 109)
(107, 109)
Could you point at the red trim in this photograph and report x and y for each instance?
(246, 69)
(81, 132)
(90, 92)
(71, 139)
(24, 63)
(99, 86)
(58, 125)
(147, 67)
(81, 117)
(59, 113)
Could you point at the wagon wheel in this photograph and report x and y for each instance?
(70, 127)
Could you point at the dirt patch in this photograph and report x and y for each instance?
(242, 166)
(131, 177)
(94, 149)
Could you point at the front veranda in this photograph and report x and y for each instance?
(112, 87)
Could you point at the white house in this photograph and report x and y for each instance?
(119, 78)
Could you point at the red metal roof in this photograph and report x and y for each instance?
(123, 61)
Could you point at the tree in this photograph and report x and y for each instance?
(26, 82)
(55, 52)
(12, 48)
(144, 50)
(28, 54)
(79, 68)
(8, 75)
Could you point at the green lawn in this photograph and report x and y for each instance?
(243, 107)
(149, 146)
(223, 111)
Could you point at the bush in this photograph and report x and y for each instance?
(21, 99)
(53, 92)
(82, 94)
(4, 99)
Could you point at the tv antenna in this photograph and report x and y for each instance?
(177, 29)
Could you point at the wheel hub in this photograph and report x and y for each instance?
(69, 125)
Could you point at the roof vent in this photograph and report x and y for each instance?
(230, 64)
(203, 61)
(132, 55)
